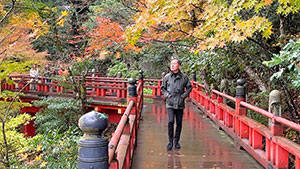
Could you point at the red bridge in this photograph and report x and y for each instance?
(213, 132)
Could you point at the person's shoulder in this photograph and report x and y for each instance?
(167, 75)
(184, 75)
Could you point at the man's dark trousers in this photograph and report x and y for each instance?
(177, 113)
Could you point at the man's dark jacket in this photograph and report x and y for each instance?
(176, 87)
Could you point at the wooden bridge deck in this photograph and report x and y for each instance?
(203, 145)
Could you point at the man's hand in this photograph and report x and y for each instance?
(168, 96)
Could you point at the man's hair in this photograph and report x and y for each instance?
(178, 60)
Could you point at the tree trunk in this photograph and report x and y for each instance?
(203, 78)
(261, 85)
(251, 73)
(281, 28)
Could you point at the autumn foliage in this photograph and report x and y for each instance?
(19, 32)
(107, 34)
(210, 24)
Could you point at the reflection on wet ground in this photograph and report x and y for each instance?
(203, 145)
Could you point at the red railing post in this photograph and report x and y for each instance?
(46, 86)
(198, 91)
(256, 140)
(297, 165)
(219, 111)
(212, 103)
(5, 86)
(202, 98)
(39, 84)
(98, 90)
(103, 92)
(114, 164)
(141, 81)
(240, 129)
(13, 87)
(206, 100)
(158, 88)
(141, 78)
(274, 100)
(154, 92)
(132, 94)
(193, 93)
(279, 155)
(29, 129)
(123, 91)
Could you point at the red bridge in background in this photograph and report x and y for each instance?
(266, 144)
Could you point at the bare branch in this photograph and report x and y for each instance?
(129, 7)
(9, 11)
(268, 52)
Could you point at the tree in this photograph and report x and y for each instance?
(20, 25)
(249, 32)
(11, 140)
(209, 23)
(289, 70)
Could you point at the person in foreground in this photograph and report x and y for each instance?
(175, 88)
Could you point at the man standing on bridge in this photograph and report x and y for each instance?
(175, 87)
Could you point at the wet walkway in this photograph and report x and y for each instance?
(202, 144)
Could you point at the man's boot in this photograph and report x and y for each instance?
(177, 145)
(170, 145)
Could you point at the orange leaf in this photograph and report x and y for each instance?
(118, 55)
(268, 2)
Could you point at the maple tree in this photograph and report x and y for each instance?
(19, 28)
(108, 37)
(209, 23)
(247, 32)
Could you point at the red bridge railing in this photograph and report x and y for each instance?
(114, 88)
(154, 85)
(122, 144)
(266, 144)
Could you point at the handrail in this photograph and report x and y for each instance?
(152, 80)
(266, 144)
(224, 95)
(95, 79)
(200, 85)
(97, 86)
(138, 87)
(270, 115)
(118, 132)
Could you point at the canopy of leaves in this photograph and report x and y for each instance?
(209, 23)
(289, 62)
(20, 25)
(9, 67)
